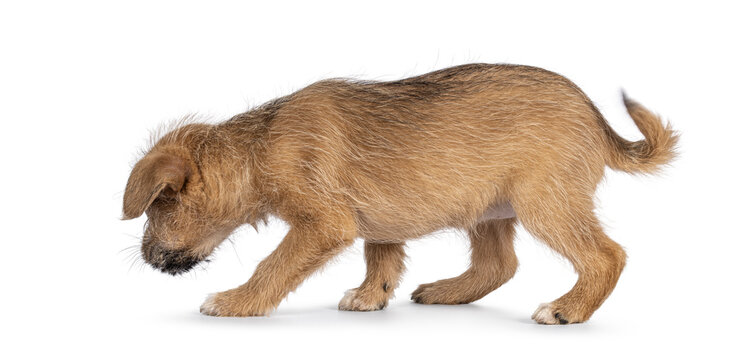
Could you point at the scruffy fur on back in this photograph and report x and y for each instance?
(477, 147)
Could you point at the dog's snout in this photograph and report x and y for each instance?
(169, 261)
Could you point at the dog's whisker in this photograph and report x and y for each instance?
(129, 248)
(235, 249)
(133, 263)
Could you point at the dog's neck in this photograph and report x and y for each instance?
(232, 165)
(230, 157)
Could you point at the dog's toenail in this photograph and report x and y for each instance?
(561, 319)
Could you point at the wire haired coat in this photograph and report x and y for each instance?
(477, 147)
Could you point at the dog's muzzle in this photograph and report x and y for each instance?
(173, 262)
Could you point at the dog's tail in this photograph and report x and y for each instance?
(649, 155)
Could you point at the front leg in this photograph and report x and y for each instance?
(304, 250)
(384, 265)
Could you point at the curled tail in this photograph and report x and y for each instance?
(648, 155)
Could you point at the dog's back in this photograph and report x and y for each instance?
(416, 155)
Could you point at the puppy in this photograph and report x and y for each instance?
(477, 147)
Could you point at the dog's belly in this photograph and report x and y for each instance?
(394, 228)
(498, 211)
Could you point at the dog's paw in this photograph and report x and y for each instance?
(548, 314)
(209, 306)
(441, 292)
(359, 300)
(229, 303)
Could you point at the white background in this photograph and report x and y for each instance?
(83, 83)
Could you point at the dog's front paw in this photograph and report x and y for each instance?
(210, 307)
(233, 303)
(361, 300)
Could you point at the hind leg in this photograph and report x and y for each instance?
(567, 224)
(493, 263)
(384, 266)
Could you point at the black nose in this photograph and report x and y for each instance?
(178, 264)
(169, 261)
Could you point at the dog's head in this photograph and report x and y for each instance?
(185, 223)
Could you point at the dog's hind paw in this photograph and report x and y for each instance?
(548, 315)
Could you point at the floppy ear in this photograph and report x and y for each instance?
(150, 176)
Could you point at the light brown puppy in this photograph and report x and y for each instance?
(477, 147)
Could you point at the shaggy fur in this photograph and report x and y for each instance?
(477, 147)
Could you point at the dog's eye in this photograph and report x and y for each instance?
(168, 193)
(166, 197)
